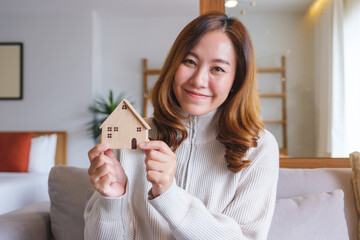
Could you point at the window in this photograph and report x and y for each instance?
(116, 129)
(351, 84)
(109, 129)
(138, 129)
(124, 107)
(109, 135)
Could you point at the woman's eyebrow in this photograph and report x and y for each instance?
(221, 61)
(194, 55)
(218, 60)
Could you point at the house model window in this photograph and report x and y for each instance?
(124, 129)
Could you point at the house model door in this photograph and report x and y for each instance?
(133, 143)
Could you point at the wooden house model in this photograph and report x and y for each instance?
(124, 128)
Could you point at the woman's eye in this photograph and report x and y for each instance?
(218, 69)
(189, 61)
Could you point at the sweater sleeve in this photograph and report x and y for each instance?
(107, 218)
(247, 216)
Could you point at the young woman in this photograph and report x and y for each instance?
(212, 170)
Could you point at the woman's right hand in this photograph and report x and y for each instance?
(106, 174)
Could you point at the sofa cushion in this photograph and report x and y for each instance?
(30, 222)
(355, 165)
(298, 182)
(319, 215)
(68, 189)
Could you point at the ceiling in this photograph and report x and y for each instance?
(153, 8)
(270, 7)
(126, 8)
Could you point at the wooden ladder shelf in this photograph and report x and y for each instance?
(283, 121)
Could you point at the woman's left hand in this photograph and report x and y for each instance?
(160, 164)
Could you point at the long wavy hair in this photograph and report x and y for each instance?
(239, 122)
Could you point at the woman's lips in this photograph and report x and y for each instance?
(196, 94)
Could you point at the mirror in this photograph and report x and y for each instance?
(281, 28)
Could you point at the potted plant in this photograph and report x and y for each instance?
(101, 109)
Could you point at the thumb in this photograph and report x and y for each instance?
(110, 153)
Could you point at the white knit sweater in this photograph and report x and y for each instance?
(205, 201)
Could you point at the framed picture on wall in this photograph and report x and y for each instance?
(11, 70)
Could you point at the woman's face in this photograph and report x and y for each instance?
(204, 79)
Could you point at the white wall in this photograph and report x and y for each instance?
(126, 42)
(57, 80)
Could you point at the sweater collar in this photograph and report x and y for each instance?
(202, 128)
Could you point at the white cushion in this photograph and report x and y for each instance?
(315, 216)
(299, 182)
(42, 153)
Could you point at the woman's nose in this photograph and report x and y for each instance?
(200, 79)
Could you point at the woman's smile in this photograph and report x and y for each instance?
(195, 94)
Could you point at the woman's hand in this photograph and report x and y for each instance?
(160, 164)
(106, 174)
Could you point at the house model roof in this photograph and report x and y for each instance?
(128, 104)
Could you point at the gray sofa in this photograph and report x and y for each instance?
(309, 206)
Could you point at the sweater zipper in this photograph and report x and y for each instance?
(192, 133)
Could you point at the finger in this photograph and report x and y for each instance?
(95, 164)
(97, 150)
(107, 179)
(152, 165)
(109, 153)
(154, 177)
(105, 169)
(146, 151)
(156, 145)
(103, 185)
(98, 162)
(157, 156)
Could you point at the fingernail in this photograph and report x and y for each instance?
(143, 144)
(105, 145)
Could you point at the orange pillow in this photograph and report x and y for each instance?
(14, 151)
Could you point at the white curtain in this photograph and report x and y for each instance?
(352, 77)
(329, 78)
(337, 78)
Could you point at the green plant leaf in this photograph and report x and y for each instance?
(101, 109)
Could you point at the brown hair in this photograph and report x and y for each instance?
(239, 120)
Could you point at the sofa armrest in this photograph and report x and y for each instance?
(30, 222)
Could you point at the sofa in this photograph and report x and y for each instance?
(311, 204)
